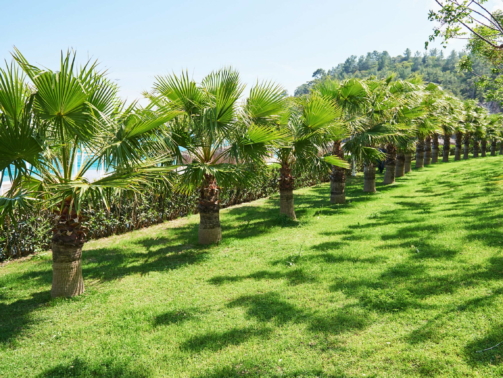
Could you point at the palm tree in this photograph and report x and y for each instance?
(433, 106)
(310, 129)
(217, 140)
(434, 148)
(459, 129)
(405, 148)
(493, 131)
(427, 150)
(76, 117)
(349, 99)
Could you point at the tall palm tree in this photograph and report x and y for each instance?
(77, 116)
(218, 139)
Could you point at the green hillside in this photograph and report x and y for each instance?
(432, 65)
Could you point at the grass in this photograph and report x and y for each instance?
(404, 283)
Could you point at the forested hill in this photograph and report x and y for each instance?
(432, 65)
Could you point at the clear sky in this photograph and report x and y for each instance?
(280, 40)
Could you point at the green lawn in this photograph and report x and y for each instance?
(404, 283)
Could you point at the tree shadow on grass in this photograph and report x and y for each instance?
(293, 277)
(487, 350)
(260, 370)
(175, 317)
(112, 263)
(270, 308)
(103, 369)
(215, 341)
(328, 258)
(16, 316)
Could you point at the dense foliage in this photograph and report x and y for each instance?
(131, 211)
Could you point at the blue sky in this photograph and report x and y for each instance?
(279, 40)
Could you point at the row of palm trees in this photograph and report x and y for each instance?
(204, 136)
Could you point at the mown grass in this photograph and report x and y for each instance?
(404, 283)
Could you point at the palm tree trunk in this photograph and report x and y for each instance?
(338, 177)
(493, 147)
(389, 175)
(420, 153)
(466, 151)
(369, 178)
(427, 150)
(447, 147)
(400, 165)
(484, 147)
(476, 148)
(210, 231)
(67, 240)
(434, 149)
(67, 280)
(459, 142)
(408, 162)
(286, 181)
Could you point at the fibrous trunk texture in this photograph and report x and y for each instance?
(408, 163)
(493, 147)
(67, 240)
(476, 148)
(434, 148)
(67, 280)
(369, 178)
(210, 231)
(338, 177)
(400, 165)
(389, 175)
(466, 151)
(286, 181)
(484, 147)
(459, 142)
(427, 150)
(447, 147)
(420, 153)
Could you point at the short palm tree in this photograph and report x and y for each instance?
(218, 139)
(349, 98)
(74, 122)
(493, 131)
(310, 128)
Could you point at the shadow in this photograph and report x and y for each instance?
(104, 369)
(328, 258)
(487, 350)
(330, 246)
(269, 308)
(294, 277)
(215, 341)
(174, 317)
(345, 320)
(254, 370)
(15, 316)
